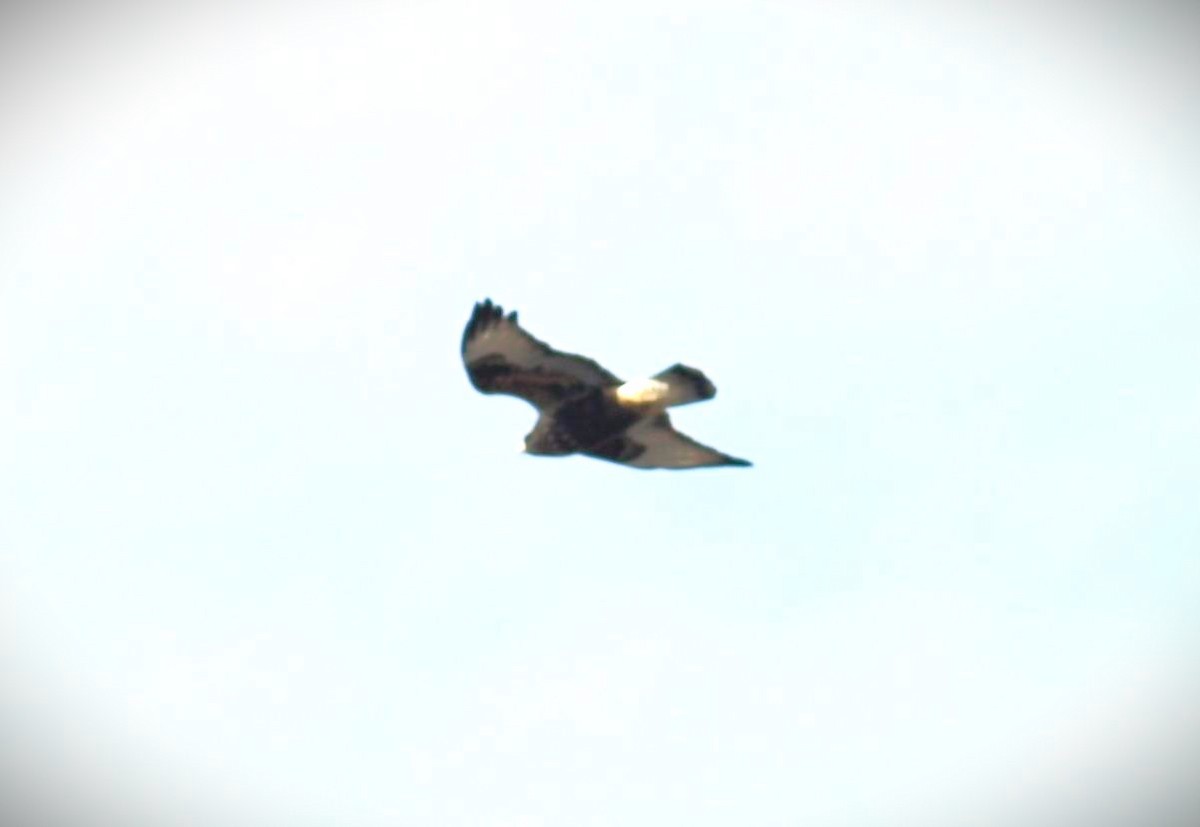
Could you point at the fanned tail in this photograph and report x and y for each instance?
(685, 385)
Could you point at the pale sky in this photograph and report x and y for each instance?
(267, 558)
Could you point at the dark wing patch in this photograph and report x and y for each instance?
(501, 357)
(654, 443)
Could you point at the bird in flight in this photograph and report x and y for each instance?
(582, 408)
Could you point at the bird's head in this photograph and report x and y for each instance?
(537, 444)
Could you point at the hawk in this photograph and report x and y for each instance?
(582, 408)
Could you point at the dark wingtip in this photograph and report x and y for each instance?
(484, 314)
(739, 463)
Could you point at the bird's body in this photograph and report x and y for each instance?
(582, 408)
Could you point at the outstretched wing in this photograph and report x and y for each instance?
(654, 443)
(501, 357)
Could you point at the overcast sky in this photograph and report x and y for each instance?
(265, 553)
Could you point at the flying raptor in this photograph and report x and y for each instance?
(582, 408)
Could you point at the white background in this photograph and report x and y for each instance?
(265, 556)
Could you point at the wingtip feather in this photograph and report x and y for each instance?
(484, 314)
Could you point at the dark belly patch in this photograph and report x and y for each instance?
(593, 418)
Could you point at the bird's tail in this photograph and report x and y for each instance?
(685, 385)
